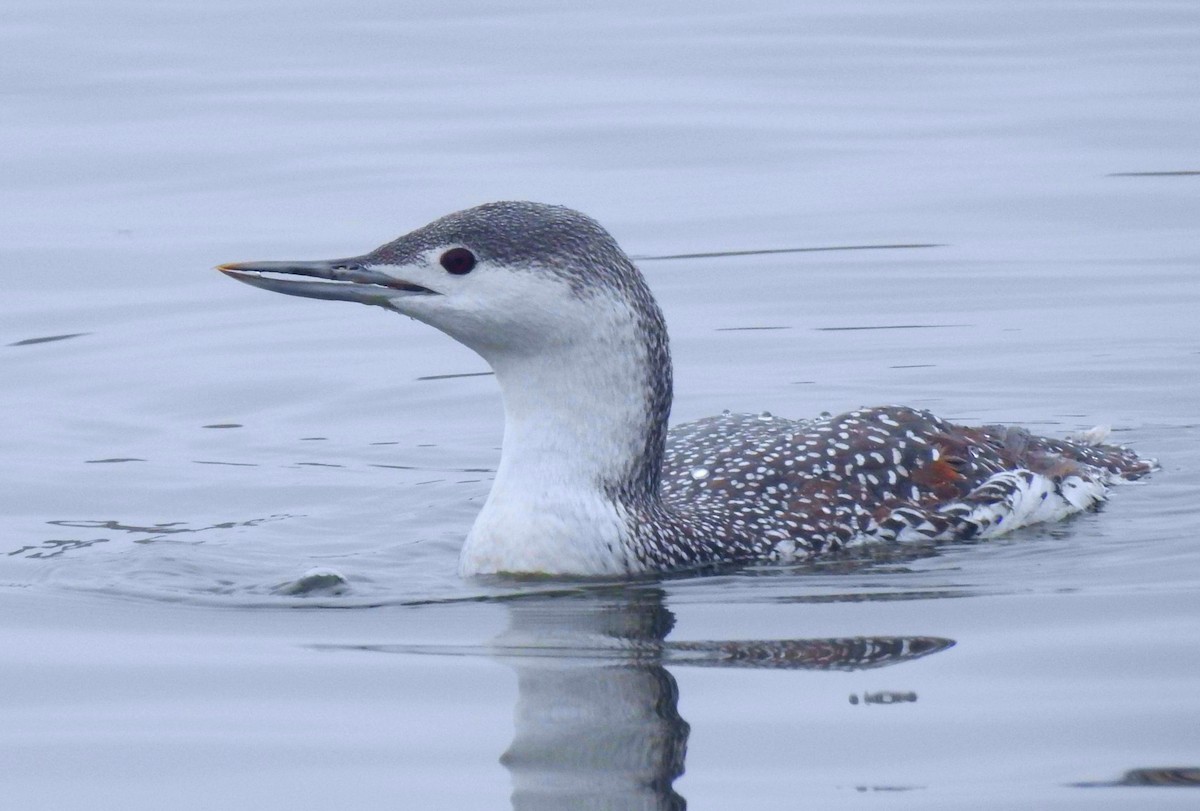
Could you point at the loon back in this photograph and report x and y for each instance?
(590, 482)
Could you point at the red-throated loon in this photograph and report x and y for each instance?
(590, 480)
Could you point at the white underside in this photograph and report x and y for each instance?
(519, 531)
(1031, 499)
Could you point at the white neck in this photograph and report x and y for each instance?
(577, 418)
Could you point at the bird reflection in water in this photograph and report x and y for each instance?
(597, 719)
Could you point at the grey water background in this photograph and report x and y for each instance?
(180, 450)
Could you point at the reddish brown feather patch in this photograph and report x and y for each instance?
(942, 478)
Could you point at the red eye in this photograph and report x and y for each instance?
(458, 261)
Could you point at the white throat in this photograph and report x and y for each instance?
(576, 421)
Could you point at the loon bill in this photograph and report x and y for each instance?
(590, 480)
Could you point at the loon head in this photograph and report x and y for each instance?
(506, 278)
(546, 296)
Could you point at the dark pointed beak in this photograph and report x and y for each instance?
(345, 280)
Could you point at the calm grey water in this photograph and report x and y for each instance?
(179, 450)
